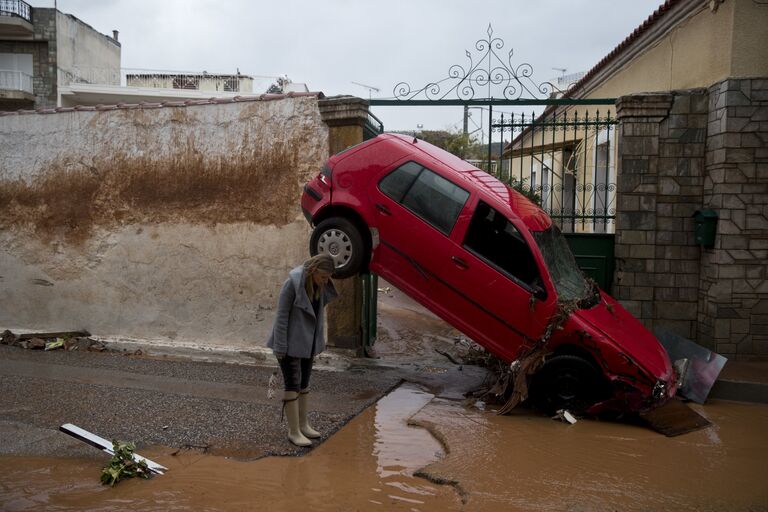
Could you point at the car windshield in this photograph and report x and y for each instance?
(569, 280)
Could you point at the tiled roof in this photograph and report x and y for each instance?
(631, 38)
(163, 104)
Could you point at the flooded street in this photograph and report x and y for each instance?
(518, 462)
(368, 465)
(411, 451)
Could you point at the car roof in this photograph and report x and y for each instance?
(491, 188)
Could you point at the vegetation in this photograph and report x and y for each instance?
(123, 465)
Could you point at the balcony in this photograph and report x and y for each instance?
(16, 85)
(15, 20)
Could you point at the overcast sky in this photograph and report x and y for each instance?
(329, 44)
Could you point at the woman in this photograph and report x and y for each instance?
(298, 335)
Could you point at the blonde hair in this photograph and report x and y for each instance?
(319, 263)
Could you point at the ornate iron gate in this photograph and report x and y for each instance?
(562, 155)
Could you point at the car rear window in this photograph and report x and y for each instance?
(427, 194)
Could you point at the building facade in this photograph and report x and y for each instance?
(43, 50)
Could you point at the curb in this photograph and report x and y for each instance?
(740, 391)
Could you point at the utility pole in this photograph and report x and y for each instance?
(466, 120)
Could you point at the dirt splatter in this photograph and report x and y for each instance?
(70, 198)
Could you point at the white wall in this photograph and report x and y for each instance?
(86, 242)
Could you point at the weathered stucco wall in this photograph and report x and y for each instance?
(177, 222)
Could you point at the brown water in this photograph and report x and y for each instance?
(512, 463)
(529, 462)
(368, 465)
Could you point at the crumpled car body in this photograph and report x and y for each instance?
(488, 261)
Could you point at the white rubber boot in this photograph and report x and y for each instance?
(291, 407)
(303, 420)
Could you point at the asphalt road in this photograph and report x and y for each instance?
(213, 407)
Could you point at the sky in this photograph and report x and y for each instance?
(331, 44)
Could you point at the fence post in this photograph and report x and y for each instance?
(345, 117)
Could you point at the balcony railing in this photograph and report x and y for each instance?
(16, 8)
(11, 80)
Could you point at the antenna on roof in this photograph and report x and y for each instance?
(369, 87)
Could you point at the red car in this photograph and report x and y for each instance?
(491, 263)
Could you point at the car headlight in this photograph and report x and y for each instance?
(659, 390)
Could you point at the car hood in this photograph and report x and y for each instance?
(635, 341)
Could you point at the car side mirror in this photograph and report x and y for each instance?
(539, 293)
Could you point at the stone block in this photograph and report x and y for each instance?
(634, 165)
(722, 328)
(641, 293)
(752, 140)
(668, 186)
(726, 349)
(632, 306)
(699, 103)
(757, 223)
(629, 202)
(669, 224)
(666, 294)
(676, 310)
(734, 242)
(740, 326)
(628, 236)
(688, 294)
(685, 280)
(682, 328)
(756, 271)
(646, 309)
(684, 267)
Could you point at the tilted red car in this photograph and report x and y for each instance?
(489, 262)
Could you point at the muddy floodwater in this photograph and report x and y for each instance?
(482, 462)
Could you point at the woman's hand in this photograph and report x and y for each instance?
(279, 355)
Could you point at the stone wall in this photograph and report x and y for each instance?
(733, 307)
(177, 222)
(679, 152)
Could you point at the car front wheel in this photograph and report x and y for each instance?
(340, 238)
(567, 382)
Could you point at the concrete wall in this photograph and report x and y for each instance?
(82, 53)
(175, 222)
(681, 151)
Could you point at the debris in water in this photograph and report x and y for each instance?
(104, 445)
(480, 405)
(123, 465)
(564, 415)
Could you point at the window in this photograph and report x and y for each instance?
(425, 193)
(492, 237)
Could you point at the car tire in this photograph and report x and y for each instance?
(567, 382)
(340, 238)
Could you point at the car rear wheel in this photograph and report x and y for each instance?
(340, 238)
(567, 382)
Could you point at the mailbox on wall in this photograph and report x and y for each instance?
(705, 227)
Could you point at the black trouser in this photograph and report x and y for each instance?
(296, 372)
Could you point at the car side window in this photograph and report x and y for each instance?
(427, 194)
(495, 239)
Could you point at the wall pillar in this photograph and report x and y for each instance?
(733, 309)
(659, 187)
(345, 117)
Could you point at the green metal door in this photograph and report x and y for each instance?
(594, 255)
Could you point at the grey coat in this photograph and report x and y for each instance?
(295, 326)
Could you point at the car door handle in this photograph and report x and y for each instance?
(460, 262)
(383, 209)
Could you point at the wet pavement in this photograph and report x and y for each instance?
(419, 448)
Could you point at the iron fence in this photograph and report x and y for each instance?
(565, 161)
(16, 8)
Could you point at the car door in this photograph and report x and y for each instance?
(492, 279)
(416, 208)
